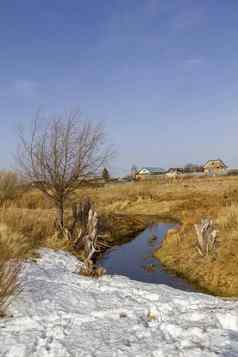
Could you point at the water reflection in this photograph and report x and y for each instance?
(134, 259)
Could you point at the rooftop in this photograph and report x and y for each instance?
(153, 169)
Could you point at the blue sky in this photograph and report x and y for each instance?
(161, 74)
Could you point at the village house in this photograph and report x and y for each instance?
(214, 167)
(174, 172)
(149, 172)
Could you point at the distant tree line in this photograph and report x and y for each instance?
(189, 168)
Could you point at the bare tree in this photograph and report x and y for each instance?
(133, 172)
(105, 174)
(57, 157)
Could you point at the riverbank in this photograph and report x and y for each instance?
(128, 208)
(60, 313)
(187, 201)
(216, 273)
(135, 260)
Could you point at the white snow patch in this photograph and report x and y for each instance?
(62, 314)
(228, 321)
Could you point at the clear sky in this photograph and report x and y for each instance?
(161, 74)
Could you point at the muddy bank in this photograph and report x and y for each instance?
(122, 228)
(178, 255)
(135, 260)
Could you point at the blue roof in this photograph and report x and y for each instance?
(153, 170)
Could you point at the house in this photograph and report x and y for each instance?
(148, 172)
(174, 172)
(214, 166)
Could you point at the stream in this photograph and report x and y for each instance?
(135, 260)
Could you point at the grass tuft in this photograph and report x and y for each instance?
(13, 248)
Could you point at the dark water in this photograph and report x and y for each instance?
(134, 259)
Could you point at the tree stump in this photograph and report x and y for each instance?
(206, 236)
(84, 233)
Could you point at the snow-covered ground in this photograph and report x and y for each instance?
(62, 314)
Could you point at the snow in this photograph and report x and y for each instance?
(62, 314)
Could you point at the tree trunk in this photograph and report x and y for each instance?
(206, 236)
(60, 215)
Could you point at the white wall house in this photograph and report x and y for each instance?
(150, 171)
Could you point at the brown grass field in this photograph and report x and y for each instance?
(186, 201)
(126, 208)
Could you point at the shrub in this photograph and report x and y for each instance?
(8, 186)
(105, 174)
(13, 247)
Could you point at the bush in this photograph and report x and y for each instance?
(105, 174)
(8, 186)
(13, 247)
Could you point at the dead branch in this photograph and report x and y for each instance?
(206, 236)
(84, 233)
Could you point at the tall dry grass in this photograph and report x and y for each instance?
(8, 186)
(22, 232)
(228, 219)
(34, 224)
(9, 283)
(217, 272)
(31, 215)
(13, 248)
(128, 194)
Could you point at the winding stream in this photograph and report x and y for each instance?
(134, 259)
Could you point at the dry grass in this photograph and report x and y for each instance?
(228, 218)
(8, 186)
(9, 283)
(32, 199)
(187, 201)
(22, 231)
(34, 224)
(217, 273)
(127, 207)
(13, 248)
(130, 195)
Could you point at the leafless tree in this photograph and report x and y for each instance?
(57, 157)
(133, 172)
